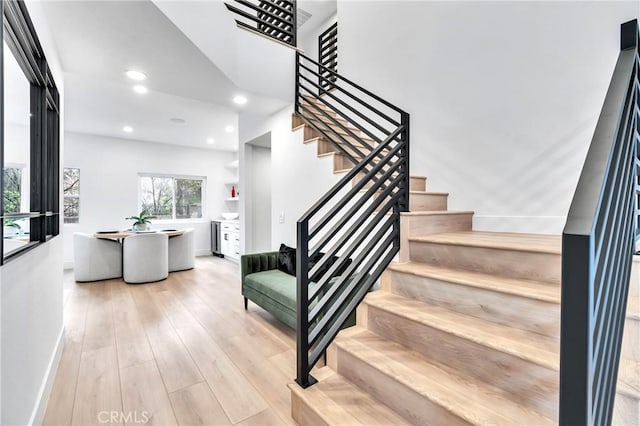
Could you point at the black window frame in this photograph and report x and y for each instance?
(44, 168)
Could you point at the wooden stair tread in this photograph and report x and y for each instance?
(526, 345)
(537, 243)
(427, 193)
(437, 212)
(518, 287)
(339, 402)
(629, 378)
(472, 400)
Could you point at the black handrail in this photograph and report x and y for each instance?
(273, 18)
(598, 243)
(357, 222)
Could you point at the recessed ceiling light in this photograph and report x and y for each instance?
(229, 129)
(136, 75)
(178, 120)
(127, 129)
(139, 88)
(211, 141)
(240, 100)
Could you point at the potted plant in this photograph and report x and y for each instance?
(142, 221)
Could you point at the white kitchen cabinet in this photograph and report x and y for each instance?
(230, 241)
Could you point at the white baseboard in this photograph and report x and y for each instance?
(68, 265)
(520, 224)
(37, 416)
(203, 252)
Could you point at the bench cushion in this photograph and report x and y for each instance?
(276, 285)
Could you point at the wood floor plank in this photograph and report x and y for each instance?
(144, 397)
(133, 346)
(196, 405)
(176, 365)
(264, 418)
(98, 391)
(238, 397)
(207, 350)
(99, 331)
(262, 374)
(60, 407)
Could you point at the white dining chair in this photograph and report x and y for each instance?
(96, 259)
(182, 251)
(145, 258)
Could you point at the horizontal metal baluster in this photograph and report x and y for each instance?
(346, 116)
(330, 334)
(366, 197)
(319, 307)
(260, 10)
(348, 197)
(345, 239)
(341, 89)
(358, 87)
(355, 160)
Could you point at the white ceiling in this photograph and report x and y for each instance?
(99, 40)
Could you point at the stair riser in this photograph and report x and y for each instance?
(520, 312)
(414, 226)
(507, 263)
(631, 339)
(528, 383)
(418, 184)
(303, 414)
(414, 407)
(415, 183)
(626, 410)
(411, 226)
(325, 147)
(341, 162)
(427, 202)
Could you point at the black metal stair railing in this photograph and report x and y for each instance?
(347, 239)
(328, 55)
(598, 243)
(273, 18)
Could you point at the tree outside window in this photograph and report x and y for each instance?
(71, 188)
(12, 189)
(171, 197)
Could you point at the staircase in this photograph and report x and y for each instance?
(465, 329)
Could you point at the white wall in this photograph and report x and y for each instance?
(109, 185)
(31, 301)
(261, 199)
(503, 96)
(299, 177)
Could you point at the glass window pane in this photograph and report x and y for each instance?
(188, 198)
(71, 182)
(17, 135)
(12, 189)
(71, 209)
(157, 196)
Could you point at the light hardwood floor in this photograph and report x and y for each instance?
(181, 351)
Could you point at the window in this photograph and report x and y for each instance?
(29, 138)
(12, 193)
(71, 188)
(169, 197)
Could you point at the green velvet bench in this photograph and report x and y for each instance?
(271, 289)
